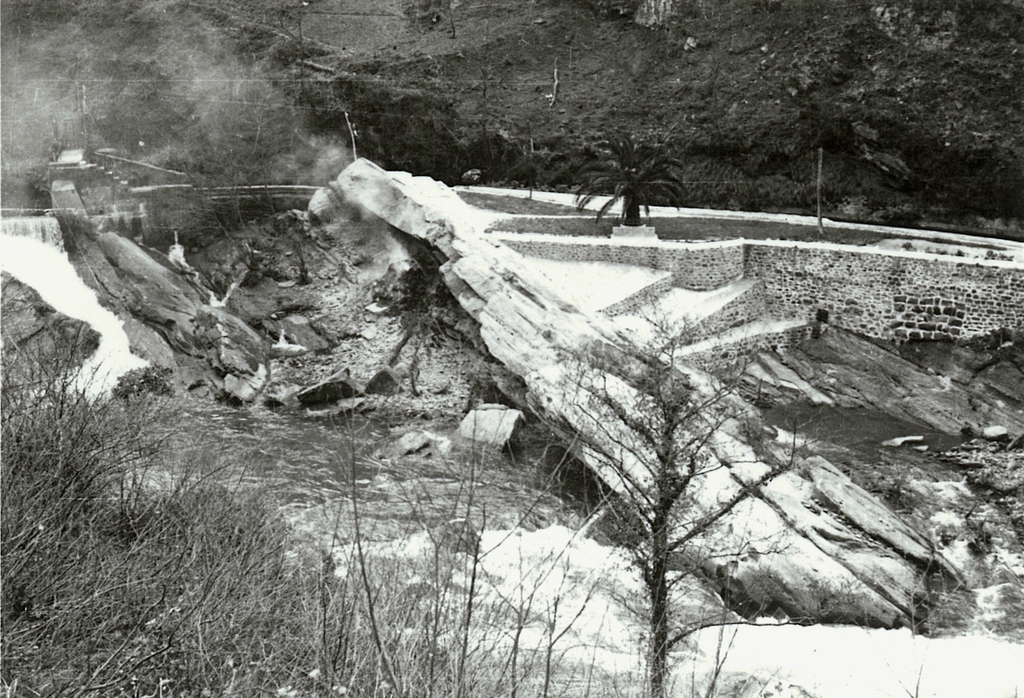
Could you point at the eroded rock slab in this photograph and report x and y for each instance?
(171, 320)
(338, 386)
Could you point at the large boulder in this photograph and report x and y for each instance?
(34, 331)
(384, 382)
(337, 386)
(234, 349)
(323, 205)
(490, 425)
(173, 317)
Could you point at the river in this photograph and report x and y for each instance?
(530, 512)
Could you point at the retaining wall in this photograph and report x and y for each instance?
(888, 294)
(748, 306)
(639, 299)
(725, 353)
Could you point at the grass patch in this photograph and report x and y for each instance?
(513, 204)
(674, 228)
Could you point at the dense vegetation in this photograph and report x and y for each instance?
(916, 105)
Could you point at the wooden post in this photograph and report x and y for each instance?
(529, 133)
(821, 229)
(352, 133)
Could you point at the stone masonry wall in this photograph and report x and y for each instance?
(694, 266)
(888, 295)
(727, 355)
(639, 299)
(746, 307)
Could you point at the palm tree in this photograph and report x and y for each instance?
(636, 173)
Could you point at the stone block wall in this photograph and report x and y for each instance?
(727, 355)
(888, 295)
(639, 299)
(748, 306)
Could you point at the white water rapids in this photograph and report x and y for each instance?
(577, 575)
(47, 270)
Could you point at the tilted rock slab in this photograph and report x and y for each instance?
(812, 544)
(177, 312)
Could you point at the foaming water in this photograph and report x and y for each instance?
(47, 270)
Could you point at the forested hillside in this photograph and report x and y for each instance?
(918, 107)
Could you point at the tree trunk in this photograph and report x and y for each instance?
(655, 13)
(631, 212)
(657, 589)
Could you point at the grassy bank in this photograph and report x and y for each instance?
(137, 563)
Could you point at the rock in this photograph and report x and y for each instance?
(900, 440)
(337, 386)
(280, 394)
(323, 205)
(147, 342)
(412, 442)
(244, 388)
(342, 406)
(238, 348)
(490, 425)
(282, 350)
(384, 382)
(153, 293)
(418, 441)
(996, 433)
(32, 328)
(298, 330)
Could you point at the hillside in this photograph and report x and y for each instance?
(917, 106)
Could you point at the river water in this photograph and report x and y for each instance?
(317, 463)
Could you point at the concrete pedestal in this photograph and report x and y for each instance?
(634, 232)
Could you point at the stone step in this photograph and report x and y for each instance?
(739, 344)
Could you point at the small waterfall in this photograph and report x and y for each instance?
(176, 256)
(47, 270)
(285, 348)
(45, 229)
(214, 302)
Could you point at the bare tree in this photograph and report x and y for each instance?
(650, 412)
